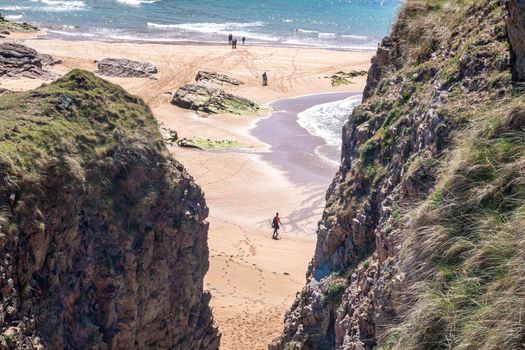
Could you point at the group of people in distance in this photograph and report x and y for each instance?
(233, 42)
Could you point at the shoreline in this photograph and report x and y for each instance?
(253, 279)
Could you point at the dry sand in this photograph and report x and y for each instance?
(253, 278)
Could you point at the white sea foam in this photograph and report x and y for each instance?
(136, 2)
(15, 8)
(50, 6)
(326, 120)
(64, 5)
(209, 29)
(14, 17)
(75, 34)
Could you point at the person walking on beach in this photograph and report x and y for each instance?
(265, 79)
(243, 40)
(230, 39)
(234, 43)
(275, 225)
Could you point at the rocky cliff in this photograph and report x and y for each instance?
(421, 242)
(103, 238)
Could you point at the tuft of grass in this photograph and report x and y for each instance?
(79, 114)
(464, 253)
(335, 289)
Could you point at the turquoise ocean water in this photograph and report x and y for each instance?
(344, 24)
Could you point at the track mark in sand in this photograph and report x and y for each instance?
(249, 330)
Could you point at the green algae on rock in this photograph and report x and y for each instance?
(211, 100)
(345, 78)
(103, 235)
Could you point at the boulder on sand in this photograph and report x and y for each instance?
(211, 100)
(120, 67)
(18, 60)
(216, 78)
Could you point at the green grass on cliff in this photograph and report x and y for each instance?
(462, 240)
(79, 116)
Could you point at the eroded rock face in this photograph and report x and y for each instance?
(208, 99)
(381, 64)
(18, 60)
(105, 246)
(203, 77)
(516, 32)
(114, 67)
(391, 145)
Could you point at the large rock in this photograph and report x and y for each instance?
(211, 100)
(516, 33)
(203, 77)
(18, 60)
(103, 235)
(114, 67)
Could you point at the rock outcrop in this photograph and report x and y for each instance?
(516, 32)
(103, 236)
(120, 67)
(406, 253)
(211, 100)
(9, 26)
(5, 92)
(214, 78)
(17, 60)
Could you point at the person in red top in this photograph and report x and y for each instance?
(275, 225)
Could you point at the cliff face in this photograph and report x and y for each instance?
(103, 238)
(419, 244)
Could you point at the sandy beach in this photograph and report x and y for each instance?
(253, 278)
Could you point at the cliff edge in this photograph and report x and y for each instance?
(421, 242)
(103, 238)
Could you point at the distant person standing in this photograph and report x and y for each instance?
(230, 39)
(276, 222)
(243, 40)
(265, 79)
